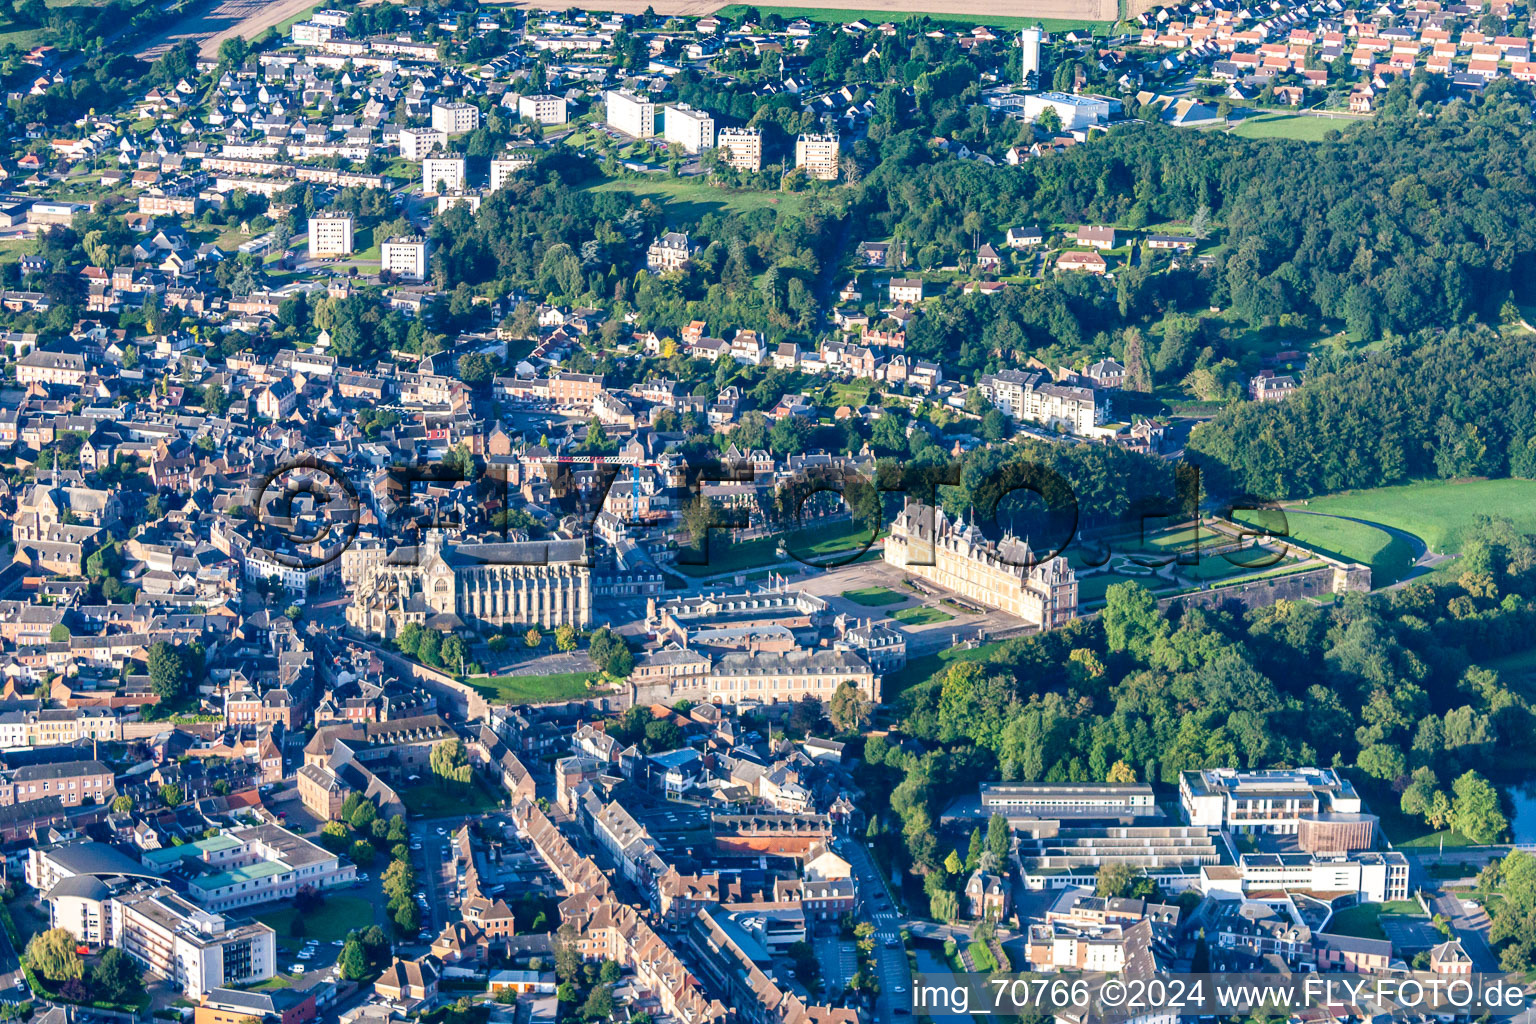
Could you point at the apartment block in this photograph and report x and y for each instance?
(442, 174)
(692, 129)
(330, 234)
(818, 155)
(248, 866)
(742, 148)
(455, 118)
(542, 108)
(405, 257)
(417, 143)
(629, 113)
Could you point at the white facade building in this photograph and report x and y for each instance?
(455, 118)
(330, 234)
(631, 114)
(416, 143)
(193, 949)
(1075, 111)
(692, 129)
(542, 108)
(405, 257)
(442, 174)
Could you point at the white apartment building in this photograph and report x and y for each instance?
(405, 257)
(542, 108)
(455, 118)
(195, 950)
(442, 174)
(692, 129)
(330, 234)
(416, 143)
(309, 33)
(818, 155)
(629, 113)
(742, 148)
(1374, 876)
(503, 169)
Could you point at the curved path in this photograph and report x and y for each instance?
(1424, 560)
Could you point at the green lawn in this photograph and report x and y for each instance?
(918, 669)
(531, 689)
(1437, 511)
(690, 198)
(1092, 588)
(877, 17)
(335, 918)
(1297, 127)
(1389, 557)
(1363, 921)
(921, 616)
(815, 545)
(436, 798)
(874, 597)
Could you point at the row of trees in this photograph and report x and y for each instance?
(115, 977)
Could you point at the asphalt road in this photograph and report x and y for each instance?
(1470, 927)
(876, 906)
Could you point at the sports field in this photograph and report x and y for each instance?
(1298, 127)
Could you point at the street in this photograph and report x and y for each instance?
(877, 906)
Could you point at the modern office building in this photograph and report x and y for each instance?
(194, 949)
(1074, 111)
(1316, 805)
(1068, 800)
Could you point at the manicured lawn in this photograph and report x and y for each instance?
(335, 918)
(1438, 511)
(921, 616)
(816, 545)
(690, 199)
(918, 669)
(436, 798)
(1363, 921)
(1297, 127)
(876, 17)
(1092, 588)
(531, 689)
(1389, 557)
(874, 597)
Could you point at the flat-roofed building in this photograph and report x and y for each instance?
(419, 143)
(818, 154)
(442, 174)
(542, 108)
(692, 129)
(455, 118)
(405, 257)
(630, 113)
(248, 866)
(192, 948)
(742, 148)
(1068, 799)
(330, 234)
(1317, 805)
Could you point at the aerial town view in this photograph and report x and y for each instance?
(707, 513)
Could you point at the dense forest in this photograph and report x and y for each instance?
(1383, 682)
(1458, 403)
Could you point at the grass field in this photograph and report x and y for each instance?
(1437, 511)
(531, 689)
(1389, 557)
(918, 669)
(899, 12)
(874, 597)
(690, 199)
(335, 918)
(1092, 588)
(436, 798)
(817, 546)
(1363, 922)
(1296, 127)
(921, 616)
